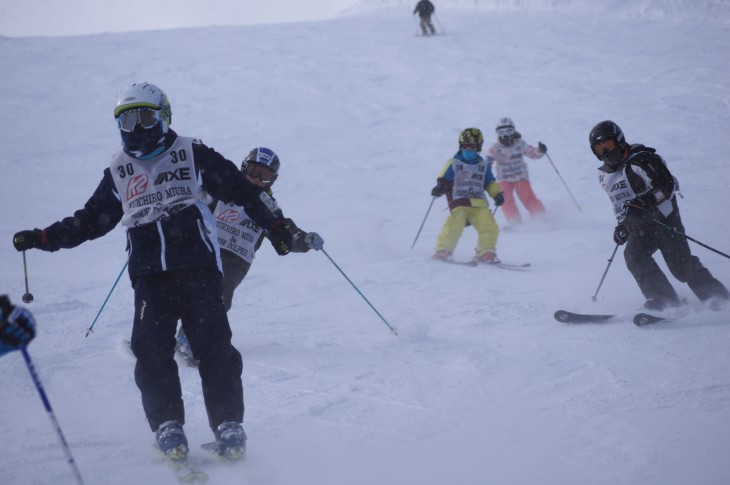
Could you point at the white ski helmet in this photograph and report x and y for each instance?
(505, 127)
(145, 95)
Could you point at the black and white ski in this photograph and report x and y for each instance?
(564, 316)
(641, 319)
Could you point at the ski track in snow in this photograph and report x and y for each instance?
(481, 385)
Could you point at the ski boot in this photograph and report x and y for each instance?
(443, 255)
(230, 440)
(172, 441)
(490, 257)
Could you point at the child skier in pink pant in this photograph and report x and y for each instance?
(507, 156)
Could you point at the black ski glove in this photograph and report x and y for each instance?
(281, 235)
(499, 199)
(438, 191)
(639, 205)
(620, 235)
(304, 241)
(541, 147)
(25, 240)
(17, 327)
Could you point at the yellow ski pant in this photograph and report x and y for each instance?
(479, 217)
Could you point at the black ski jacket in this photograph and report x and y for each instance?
(424, 8)
(660, 179)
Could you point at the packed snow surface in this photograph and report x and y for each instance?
(481, 385)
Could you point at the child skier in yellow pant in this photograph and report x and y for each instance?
(464, 180)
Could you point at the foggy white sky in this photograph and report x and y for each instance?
(75, 17)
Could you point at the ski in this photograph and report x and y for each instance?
(127, 346)
(473, 263)
(641, 319)
(213, 448)
(459, 263)
(513, 267)
(564, 316)
(509, 266)
(185, 473)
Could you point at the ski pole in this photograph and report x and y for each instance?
(54, 421)
(563, 181)
(610, 260)
(441, 29)
(424, 222)
(91, 328)
(28, 296)
(677, 231)
(392, 329)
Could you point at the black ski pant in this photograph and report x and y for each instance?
(234, 271)
(426, 24)
(645, 238)
(194, 297)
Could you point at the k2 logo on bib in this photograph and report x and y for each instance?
(229, 215)
(462, 176)
(137, 186)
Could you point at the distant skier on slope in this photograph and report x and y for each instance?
(17, 326)
(507, 156)
(240, 237)
(156, 186)
(425, 9)
(464, 180)
(641, 187)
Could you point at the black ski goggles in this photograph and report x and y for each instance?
(604, 147)
(260, 172)
(146, 117)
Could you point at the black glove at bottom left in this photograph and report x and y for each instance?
(17, 326)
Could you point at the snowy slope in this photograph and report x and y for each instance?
(481, 385)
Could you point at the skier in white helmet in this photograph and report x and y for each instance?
(156, 186)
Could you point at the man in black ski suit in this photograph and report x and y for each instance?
(157, 187)
(642, 191)
(425, 9)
